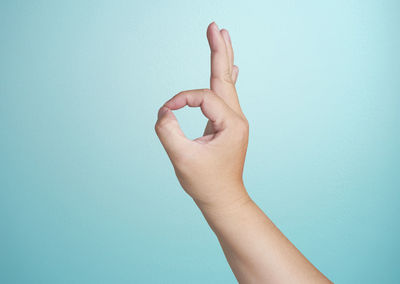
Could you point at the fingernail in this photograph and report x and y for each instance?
(163, 110)
(216, 26)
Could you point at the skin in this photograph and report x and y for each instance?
(210, 170)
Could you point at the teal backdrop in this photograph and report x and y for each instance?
(87, 193)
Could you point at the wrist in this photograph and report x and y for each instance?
(228, 203)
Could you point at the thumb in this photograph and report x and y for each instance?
(169, 132)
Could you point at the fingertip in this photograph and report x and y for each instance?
(226, 36)
(214, 37)
(162, 111)
(214, 25)
(172, 103)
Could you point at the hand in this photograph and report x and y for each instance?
(210, 167)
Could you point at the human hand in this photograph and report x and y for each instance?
(210, 167)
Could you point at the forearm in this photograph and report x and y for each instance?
(254, 247)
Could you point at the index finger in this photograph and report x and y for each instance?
(213, 107)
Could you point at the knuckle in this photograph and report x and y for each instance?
(226, 78)
(240, 127)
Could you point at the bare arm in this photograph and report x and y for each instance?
(255, 248)
(210, 169)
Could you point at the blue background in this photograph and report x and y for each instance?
(87, 194)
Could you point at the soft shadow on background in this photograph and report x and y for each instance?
(87, 194)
